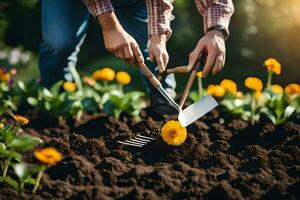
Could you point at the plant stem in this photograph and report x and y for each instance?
(21, 187)
(5, 168)
(39, 176)
(269, 83)
(253, 109)
(200, 87)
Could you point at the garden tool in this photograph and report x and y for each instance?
(186, 116)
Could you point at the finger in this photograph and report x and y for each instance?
(217, 64)
(223, 61)
(160, 63)
(152, 57)
(137, 53)
(194, 56)
(119, 53)
(165, 59)
(209, 61)
(128, 54)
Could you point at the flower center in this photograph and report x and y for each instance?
(172, 133)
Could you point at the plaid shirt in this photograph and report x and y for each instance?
(214, 12)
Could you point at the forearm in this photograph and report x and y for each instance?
(98, 7)
(109, 21)
(159, 17)
(215, 12)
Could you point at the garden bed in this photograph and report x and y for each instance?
(222, 158)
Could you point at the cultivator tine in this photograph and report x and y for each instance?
(130, 144)
(145, 137)
(138, 141)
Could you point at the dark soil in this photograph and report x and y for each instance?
(232, 160)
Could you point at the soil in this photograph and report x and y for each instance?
(228, 160)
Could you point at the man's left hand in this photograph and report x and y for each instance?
(214, 45)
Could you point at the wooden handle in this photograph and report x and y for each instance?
(153, 80)
(191, 79)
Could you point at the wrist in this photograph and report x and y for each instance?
(219, 28)
(158, 38)
(215, 33)
(109, 21)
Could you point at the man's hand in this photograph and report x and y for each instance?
(118, 41)
(158, 51)
(214, 45)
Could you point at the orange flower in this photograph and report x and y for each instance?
(239, 94)
(200, 74)
(292, 89)
(89, 81)
(173, 133)
(105, 74)
(273, 65)
(48, 156)
(230, 86)
(215, 90)
(4, 75)
(21, 120)
(69, 86)
(277, 89)
(254, 83)
(123, 78)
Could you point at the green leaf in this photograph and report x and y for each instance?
(2, 146)
(47, 93)
(32, 101)
(21, 85)
(56, 88)
(25, 143)
(289, 110)
(10, 154)
(9, 181)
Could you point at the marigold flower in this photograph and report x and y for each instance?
(48, 156)
(4, 75)
(173, 133)
(273, 65)
(1, 125)
(229, 85)
(105, 74)
(239, 94)
(89, 81)
(200, 74)
(254, 83)
(277, 89)
(21, 120)
(215, 90)
(292, 89)
(69, 86)
(123, 77)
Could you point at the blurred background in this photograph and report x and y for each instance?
(259, 29)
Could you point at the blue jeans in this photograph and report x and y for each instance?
(64, 26)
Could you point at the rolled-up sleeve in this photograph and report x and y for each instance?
(215, 12)
(159, 17)
(98, 7)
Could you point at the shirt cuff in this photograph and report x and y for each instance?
(98, 7)
(218, 14)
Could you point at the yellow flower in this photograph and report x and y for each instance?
(200, 74)
(89, 81)
(215, 90)
(173, 133)
(4, 75)
(97, 75)
(105, 74)
(1, 125)
(21, 120)
(123, 78)
(229, 85)
(69, 86)
(48, 156)
(292, 88)
(254, 83)
(277, 89)
(273, 65)
(258, 95)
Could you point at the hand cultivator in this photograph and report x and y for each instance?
(185, 116)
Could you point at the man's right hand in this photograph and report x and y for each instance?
(118, 41)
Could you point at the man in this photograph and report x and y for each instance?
(126, 26)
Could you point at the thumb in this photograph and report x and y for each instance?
(160, 63)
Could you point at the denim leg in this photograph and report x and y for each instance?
(133, 18)
(64, 24)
